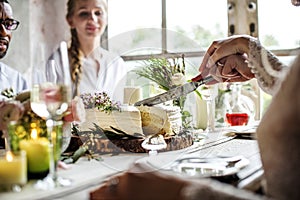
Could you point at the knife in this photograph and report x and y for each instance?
(174, 93)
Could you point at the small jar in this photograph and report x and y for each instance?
(238, 112)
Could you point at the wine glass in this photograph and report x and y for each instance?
(50, 98)
(209, 93)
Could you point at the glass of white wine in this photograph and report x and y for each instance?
(50, 98)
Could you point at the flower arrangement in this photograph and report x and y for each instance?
(167, 74)
(163, 72)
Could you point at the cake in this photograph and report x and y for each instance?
(125, 130)
(164, 120)
(141, 120)
(127, 120)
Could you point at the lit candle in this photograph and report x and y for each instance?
(37, 149)
(13, 168)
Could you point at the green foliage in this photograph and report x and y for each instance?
(161, 71)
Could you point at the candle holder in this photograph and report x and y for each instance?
(13, 170)
(32, 138)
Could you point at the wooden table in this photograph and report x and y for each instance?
(88, 174)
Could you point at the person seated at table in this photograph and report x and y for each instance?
(93, 69)
(235, 59)
(11, 81)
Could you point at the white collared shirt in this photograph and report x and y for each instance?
(102, 71)
(11, 78)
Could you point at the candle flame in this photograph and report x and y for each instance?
(34, 133)
(9, 156)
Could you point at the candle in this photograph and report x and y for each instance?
(37, 150)
(13, 168)
(132, 95)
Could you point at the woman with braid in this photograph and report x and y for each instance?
(93, 69)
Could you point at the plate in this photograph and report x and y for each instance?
(209, 167)
(242, 132)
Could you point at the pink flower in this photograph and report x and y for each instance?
(76, 111)
(10, 111)
(51, 93)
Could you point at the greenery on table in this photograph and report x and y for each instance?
(161, 71)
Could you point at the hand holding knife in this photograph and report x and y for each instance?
(175, 92)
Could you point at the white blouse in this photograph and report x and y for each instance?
(102, 71)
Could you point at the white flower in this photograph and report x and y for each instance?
(178, 79)
(10, 111)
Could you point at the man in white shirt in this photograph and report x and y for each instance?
(9, 78)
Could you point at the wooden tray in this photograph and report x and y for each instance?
(104, 146)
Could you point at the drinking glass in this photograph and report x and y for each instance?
(50, 98)
(209, 93)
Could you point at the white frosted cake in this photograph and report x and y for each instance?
(142, 120)
(131, 122)
(127, 120)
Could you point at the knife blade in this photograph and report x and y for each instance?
(174, 93)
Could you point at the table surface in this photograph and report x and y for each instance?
(87, 175)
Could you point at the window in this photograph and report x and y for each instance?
(278, 24)
(137, 30)
(136, 27)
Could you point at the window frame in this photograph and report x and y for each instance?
(187, 54)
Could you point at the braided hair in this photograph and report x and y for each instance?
(75, 54)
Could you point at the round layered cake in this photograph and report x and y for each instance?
(164, 120)
(126, 130)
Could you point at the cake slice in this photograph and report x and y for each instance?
(164, 120)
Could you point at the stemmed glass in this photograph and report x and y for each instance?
(209, 94)
(50, 98)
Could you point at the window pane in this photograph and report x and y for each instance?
(278, 24)
(201, 21)
(134, 26)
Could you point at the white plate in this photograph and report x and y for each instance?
(212, 167)
(242, 131)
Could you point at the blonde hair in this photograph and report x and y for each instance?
(75, 54)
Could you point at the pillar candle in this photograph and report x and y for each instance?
(13, 168)
(37, 150)
(132, 94)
